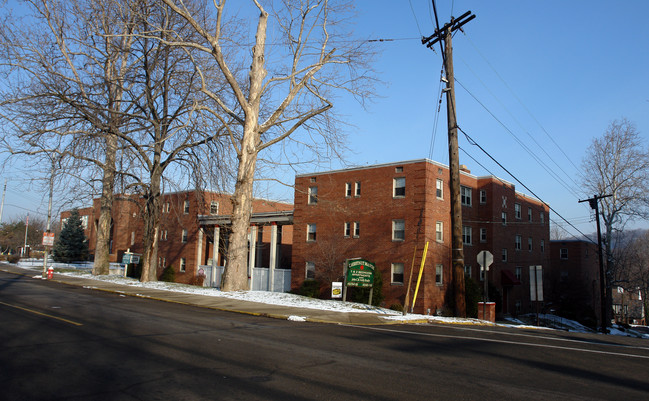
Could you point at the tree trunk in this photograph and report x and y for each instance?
(102, 246)
(151, 229)
(236, 271)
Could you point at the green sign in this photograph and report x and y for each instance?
(360, 273)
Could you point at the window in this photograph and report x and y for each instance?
(465, 195)
(163, 235)
(519, 272)
(183, 264)
(439, 274)
(542, 218)
(529, 214)
(466, 235)
(518, 242)
(312, 179)
(186, 207)
(439, 231)
(503, 218)
(439, 189)
(214, 208)
(310, 271)
(357, 229)
(483, 197)
(162, 262)
(517, 210)
(398, 230)
(183, 237)
(313, 195)
(357, 188)
(542, 246)
(563, 253)
(399, 187)
(483, 235)
(348, 189)
(397, 273)
(529, 244)
(504, 255)
(84, 221)
(467, 271)
(132, 237)
(310, 232)
(347, 231)
(398, 169)
(165, 207)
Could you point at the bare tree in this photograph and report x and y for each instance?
(285, 92)
(639, 270)
(618, 165)
(69, 64)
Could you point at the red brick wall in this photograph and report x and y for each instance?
(376, 208)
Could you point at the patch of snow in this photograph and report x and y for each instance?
(297, 318)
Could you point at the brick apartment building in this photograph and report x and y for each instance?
(573, 281)
(373, 212)
(186, 238)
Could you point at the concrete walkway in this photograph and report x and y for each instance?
(214, 302)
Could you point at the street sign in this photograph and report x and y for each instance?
(360, 273)
(48, 239)
(128, 258)
(485, 259)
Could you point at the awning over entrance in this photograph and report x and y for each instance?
(282, 217)
(508, 278)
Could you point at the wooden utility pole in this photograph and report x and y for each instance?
(594, 204)
(457, 252)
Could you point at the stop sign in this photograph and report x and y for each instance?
(485, 259)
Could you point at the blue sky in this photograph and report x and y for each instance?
(554, 74)
(555, 71)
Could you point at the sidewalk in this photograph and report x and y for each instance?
(216, 302)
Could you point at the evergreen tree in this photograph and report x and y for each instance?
(72, 245)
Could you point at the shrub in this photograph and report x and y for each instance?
(168, 274)
(310, 288)
(397, 307)
(13, 258)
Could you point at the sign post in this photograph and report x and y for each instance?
(485, 259)
(359, 273)
(536, 287)
(128, 258)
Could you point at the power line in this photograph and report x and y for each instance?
(472, 142)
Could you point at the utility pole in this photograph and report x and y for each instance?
(25, 245)
(457, 253)
(594, 204)
(2, 205)
(49, 217)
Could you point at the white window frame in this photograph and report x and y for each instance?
(563, 253)
(396, 268)
(184, 236)
(483, 197)
(503, 255)
(439, 231)
(396, 184)
(439, 274)
(542, 217)
(465, 195)
(348, 189)
(517, 211)
(357, 229)
(483, 235)
(468, 272)
(311, 232)
(529, 244)
(309, 267)
(214, 208)
(542, 246)
(529, 214)
(312, 196)
(402, 223)
(347, 230)
(186, 207)
(519, 273)
(357, 189)
(182, 265)
(467, 235)
(518, 242)
(439, 188)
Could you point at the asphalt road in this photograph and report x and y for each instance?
(71, 343)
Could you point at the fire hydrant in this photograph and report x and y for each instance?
(50, 273)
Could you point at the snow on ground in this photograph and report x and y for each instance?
(292, 300)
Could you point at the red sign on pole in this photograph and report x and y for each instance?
(48, 239)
